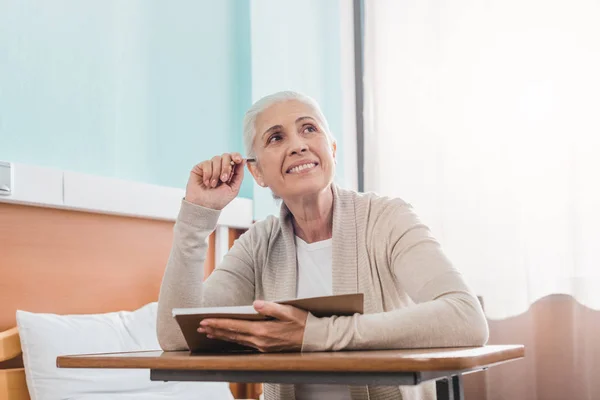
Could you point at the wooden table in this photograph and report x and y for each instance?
(381, 367)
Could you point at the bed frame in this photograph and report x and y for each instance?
(51, 257)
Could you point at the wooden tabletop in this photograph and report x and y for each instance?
(355, 361)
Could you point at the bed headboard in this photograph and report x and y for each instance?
(74, 262)
(63, 261)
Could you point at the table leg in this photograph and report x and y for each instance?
(450, 388)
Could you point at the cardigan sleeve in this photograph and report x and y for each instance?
(446, 313)
(232, 283)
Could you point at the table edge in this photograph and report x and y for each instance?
(237, 363)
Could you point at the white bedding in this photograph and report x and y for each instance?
(46, 336)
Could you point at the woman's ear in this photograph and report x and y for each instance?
(334, 150)
(256, 173)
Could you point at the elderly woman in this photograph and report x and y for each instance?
(327, 240)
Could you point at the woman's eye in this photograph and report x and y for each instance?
(310, 129)
(274, 138)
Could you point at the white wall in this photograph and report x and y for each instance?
(485, 118)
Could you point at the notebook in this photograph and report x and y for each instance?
(189, 318)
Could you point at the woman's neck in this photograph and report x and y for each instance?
(313, 216)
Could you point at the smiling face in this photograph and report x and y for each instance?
(295, 156)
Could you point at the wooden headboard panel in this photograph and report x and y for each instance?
(73, 262)
(62, 261)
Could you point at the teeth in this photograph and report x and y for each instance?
(302, 167)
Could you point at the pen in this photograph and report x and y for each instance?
(247, 160)
(233, 164)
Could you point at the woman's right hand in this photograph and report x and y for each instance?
(215, 183)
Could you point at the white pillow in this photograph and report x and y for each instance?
(46, 336)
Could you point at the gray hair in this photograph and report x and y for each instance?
(249, 124)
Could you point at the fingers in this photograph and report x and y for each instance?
(216, 171)
(278, 311)
(237, 176)
(234, 325)
(230, 330)
(197, 170)
(226, 168)
(206, 172)
(220, 169)
(197, 174)
(260, 343)
(230, 336)
(237, 158)
(265, 336)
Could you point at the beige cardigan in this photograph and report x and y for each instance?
(414, 297)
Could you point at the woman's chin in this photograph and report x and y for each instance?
(302, 187)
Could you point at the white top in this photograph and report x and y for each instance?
(315, 278)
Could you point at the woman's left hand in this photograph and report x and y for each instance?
(285, 333)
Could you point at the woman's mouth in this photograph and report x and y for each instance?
(302, 168)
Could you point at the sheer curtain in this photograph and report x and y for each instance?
(485, 116)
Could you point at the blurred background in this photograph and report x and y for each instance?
(143, 90)
(484, 115)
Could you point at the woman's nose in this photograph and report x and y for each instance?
(299, 150)
(297, 146)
